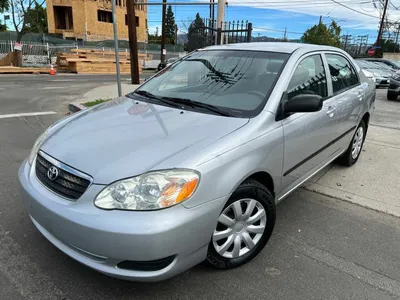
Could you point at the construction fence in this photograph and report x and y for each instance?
(40, 50)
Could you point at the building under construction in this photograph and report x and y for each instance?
(91, 20)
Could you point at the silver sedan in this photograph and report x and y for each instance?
(189, 167)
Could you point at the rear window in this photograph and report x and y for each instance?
(238, 82)
(342, 73)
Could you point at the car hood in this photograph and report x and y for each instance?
(125, 137)
(379, 72)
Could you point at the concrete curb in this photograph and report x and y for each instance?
(75, 107)
(353, 198)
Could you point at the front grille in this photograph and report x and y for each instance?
(66, 184)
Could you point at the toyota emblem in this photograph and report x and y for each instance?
(52, 173)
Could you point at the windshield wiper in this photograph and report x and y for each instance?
(196, 104)
(160, 99)
(182, 102)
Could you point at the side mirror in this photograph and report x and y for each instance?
(303, 103)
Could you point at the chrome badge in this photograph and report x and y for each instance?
(52, 173)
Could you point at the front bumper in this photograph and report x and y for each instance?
(102, 239)
(394, 86)
(380, 82)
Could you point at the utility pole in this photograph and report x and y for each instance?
(164, 12)
(133, 41)
(284, 35)
(378, 39)
(116, 49)
(346, 41)
(220, 21)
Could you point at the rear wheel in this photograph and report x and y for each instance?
(244, 226)
(391, 96)
(353, 152)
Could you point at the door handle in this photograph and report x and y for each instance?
(331, 111)
(360, 95)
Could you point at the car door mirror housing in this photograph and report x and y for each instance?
(303, 103)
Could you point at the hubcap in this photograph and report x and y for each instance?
(240, 227)
(357, 143)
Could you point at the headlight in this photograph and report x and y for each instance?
(36, 146)
(150, 191)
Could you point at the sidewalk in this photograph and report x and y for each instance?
(101, 92)
(374, 181)
(107, 91)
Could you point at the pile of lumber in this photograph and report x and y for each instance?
(86, 61)
(23, 70)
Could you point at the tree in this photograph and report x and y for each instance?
(36, 19)
(3, 27)
(23, 20)
(170, 25)
(3, 6)
(323, 35)
(196, 39)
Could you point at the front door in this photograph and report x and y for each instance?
(307, 136)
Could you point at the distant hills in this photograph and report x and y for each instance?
(182, 39)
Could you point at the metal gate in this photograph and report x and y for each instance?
(229, 33)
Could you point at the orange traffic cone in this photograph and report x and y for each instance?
(52, 71)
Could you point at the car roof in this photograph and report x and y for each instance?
(280, 47)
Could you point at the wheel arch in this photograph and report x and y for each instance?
(265, 179)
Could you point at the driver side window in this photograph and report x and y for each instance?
(309, 78)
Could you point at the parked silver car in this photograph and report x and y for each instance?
(381, 76)
(190, 166)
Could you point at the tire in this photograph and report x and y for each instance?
(392, 96)
(244, 231)
(349, 158)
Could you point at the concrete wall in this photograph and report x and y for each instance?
(85, 11)
(392, 56)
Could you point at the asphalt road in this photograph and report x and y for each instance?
(33, 93)
(386, 112)
(321, 248)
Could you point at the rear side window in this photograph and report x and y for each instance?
(309, 78)
(342, 73)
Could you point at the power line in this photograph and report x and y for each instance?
(355, 10)
(277, 30)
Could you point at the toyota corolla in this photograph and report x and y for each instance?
(189, 167)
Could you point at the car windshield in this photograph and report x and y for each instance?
(232, 83)
(396, 63)
(382, 65)
(366, 65)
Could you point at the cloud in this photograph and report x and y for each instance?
(357, 16)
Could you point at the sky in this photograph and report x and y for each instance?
(271, 17)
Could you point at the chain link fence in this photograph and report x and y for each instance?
(40, 54)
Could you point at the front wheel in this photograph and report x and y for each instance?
(244, 226)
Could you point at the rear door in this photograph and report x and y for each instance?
(347, 98)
